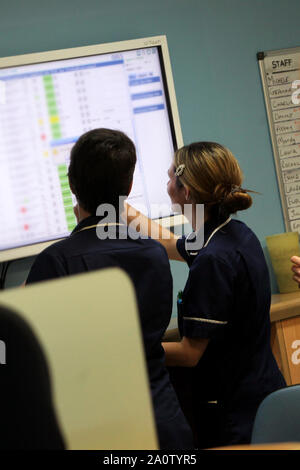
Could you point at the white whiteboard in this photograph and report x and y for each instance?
(279, 72)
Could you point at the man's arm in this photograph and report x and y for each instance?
(46, 266)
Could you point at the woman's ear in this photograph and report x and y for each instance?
(187, 193)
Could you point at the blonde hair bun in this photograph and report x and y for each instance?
(236, 201)
(213, 176)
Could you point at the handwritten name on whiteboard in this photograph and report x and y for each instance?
(290, 163)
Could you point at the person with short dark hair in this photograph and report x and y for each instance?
(101, 169)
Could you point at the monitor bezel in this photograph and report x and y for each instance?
(85, 51)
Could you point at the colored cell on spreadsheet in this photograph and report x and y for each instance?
(61, 168)
(70, 218)
(53, 111)
(70, 213)
(68, 201)
(51, 104)
(56, 135)
(54, 119)
(49, 87)
(55, 126)
(50, 95)
(71, 227)
(47, 78)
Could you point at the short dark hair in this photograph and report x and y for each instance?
(101, 168)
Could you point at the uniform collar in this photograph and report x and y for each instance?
(90, 220)
(211, 227)
(212, 224)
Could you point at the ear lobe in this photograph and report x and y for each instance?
(186, 193)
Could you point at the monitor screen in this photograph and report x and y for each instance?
(46, 105)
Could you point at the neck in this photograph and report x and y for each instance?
(80, 213)
(196, 220)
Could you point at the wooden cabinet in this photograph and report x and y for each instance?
(285, 334)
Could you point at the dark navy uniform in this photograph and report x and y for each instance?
(147, 264)
(226, 299)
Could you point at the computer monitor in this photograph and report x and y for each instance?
(49, 99)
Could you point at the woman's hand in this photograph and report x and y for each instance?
(296, 268)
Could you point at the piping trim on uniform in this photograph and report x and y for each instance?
(194, 253)
(216, 230)
(206, 320)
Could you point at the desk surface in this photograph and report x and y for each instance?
(285, 306)
(279, 446)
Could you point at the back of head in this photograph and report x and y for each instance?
(28, 418)
(101, 168)
(213, 176)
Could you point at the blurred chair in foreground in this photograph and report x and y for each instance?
(88, 327)
(278, 417)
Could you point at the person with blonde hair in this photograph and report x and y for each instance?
(223, 366)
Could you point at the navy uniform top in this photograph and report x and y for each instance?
(147, 264)
(227, 299)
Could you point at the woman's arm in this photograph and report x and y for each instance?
(186, 353)
(148, 227)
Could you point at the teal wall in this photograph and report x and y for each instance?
(213, 45)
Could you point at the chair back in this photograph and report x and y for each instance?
(278, 417)
(89, 328)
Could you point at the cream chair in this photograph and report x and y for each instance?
(88, 327)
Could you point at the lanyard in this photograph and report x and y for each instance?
(193, 253)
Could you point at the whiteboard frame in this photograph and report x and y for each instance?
(261, 57)
(85, 51)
